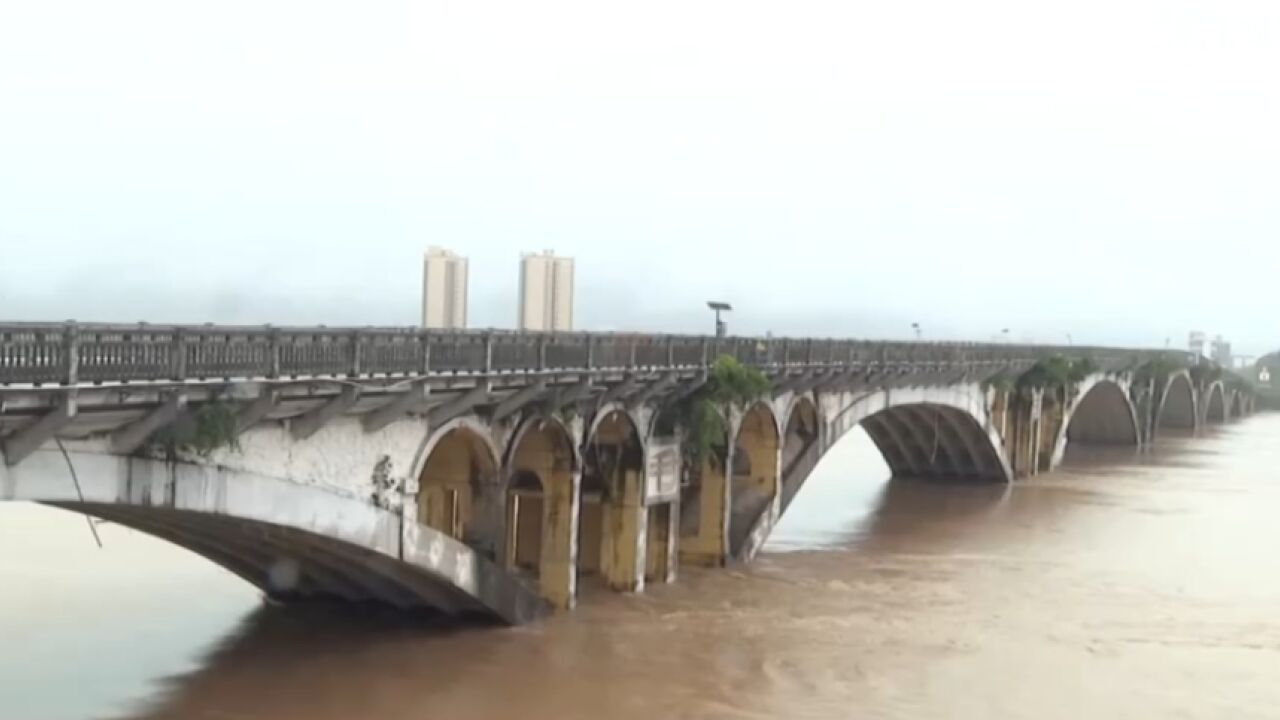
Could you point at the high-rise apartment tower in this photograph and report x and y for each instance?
(546, 292)
(444, 289)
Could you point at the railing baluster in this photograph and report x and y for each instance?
(71, 354)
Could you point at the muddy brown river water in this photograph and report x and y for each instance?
(1118, 587)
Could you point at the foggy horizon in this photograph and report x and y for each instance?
(1106, 172)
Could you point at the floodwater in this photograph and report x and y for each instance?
(1119, 587)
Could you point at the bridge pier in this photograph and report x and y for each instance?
(624, 533)
(1023, 414)
(704, 516)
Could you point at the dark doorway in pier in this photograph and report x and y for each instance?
(612, 467)
(524, 522)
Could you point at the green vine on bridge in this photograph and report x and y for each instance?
(703, 414)
(210, 427)
(1056, 372)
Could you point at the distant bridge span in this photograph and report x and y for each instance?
(495, 472)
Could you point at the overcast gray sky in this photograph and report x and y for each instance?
(1108, 169)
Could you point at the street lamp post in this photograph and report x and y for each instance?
(718, 306)
(916, 327)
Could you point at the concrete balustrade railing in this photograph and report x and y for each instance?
(72, 353)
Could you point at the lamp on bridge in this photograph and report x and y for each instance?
(717, 306)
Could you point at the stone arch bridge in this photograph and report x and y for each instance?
(501, 473)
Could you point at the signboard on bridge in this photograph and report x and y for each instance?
(662, 471)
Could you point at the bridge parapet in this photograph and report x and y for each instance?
(68, 354)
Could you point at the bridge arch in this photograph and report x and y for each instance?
(1236, 406)
(755, 481)
(926, 439)
(292, 540)
(801, 441)
(612, 411)
(540, 509)
(611, 500)
(459, 489)
(906, 423)
(1103, 414)
(1215, 405)
(1177, 407)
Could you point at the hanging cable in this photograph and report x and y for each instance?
(80, 493)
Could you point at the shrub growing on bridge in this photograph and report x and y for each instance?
(210, 427)
(1056, 371)
(703, 413)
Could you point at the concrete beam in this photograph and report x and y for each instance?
(257, 411)
(460, 405)
(688, 388)
(564, 397)
(131, 437)
(839, 380)
(653, 389)
(621, 390)
(25, 441)
(516, 401)
(308, 423)
(817, 380)
(792, 382)
(401, 405)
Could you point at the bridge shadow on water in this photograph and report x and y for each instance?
(899, 509)
(281, 660)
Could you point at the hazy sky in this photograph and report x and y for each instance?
(1105, 169)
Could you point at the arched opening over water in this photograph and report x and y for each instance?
(1103, 416)
(1215, 404)
(1236, 406)
(800, 445)
(458, 492)
(935, 441)
(612, 493)
(829, 506)
(755, 479)
(1178, 407)
(539, 505)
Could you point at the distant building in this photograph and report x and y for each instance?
(444, 289)
(546, 292)
(1265, 374)
(1220, 351)
(1195, 343)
